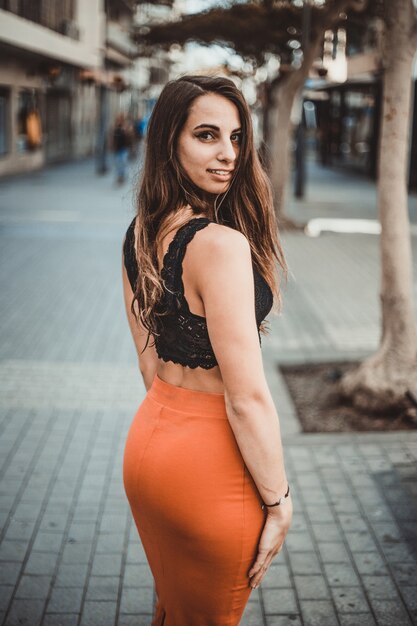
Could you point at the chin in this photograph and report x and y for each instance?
(216, 189)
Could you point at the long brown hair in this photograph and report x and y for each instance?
(246, 206)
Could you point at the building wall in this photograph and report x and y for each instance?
(26, 35)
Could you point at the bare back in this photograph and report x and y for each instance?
(175, 373)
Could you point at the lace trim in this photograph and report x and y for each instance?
(172, 269)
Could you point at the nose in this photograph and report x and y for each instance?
(227, 151)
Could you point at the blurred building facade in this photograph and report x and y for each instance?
(67, 67)
(47, 106)
(348, 102)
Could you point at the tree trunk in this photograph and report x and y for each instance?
(288, 88)
(383, 379)
(280, 130)
(266, 116)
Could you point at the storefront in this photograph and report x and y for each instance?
(348, 121)
(349, 125)
(21, 117)
(48, 113)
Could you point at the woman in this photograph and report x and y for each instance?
(203, 466)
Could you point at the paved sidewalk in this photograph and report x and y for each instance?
(69, 554)
(337, 193)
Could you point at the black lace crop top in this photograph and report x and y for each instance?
(184, 337)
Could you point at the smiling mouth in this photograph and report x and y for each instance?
(221, 172)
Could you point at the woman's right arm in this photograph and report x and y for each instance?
(224, 279)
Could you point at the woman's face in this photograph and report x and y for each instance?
(209, 143)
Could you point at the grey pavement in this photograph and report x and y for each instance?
(69, 553)
(338, 193)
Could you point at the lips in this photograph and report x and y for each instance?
(221, 172)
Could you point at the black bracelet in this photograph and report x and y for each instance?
(279, 501)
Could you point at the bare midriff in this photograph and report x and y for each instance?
(197, 379)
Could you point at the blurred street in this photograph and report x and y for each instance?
(69, 554)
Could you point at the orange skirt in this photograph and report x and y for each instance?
(195, 505)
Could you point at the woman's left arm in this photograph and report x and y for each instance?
(148, 359)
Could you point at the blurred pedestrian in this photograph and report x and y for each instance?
(203, 462)
(120, 145)
(139, 129)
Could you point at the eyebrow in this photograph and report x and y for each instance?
(214, 127)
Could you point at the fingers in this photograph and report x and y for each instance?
(260, 560)
(261, 566)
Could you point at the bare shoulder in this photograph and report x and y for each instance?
(220, 241)
(218, 250)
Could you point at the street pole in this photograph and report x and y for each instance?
(300, 169)
(103, 104)
(101, 150)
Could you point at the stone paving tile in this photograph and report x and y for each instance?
(389, 612)
(283, 620)
(134, 620)
(350, 600)
(6, 592)
(71, 575)
(136, 600)
(305, 563)
(34, 587)
(25, 612)
(47, 541)
(334, 552)
(9, 573)
(54, 619)
(299, 542)
(380, 587)
(107, 565)
(78, 553)
(357, 619)
(326, 532)
(341, 576)
(103, 588)
(279, 601)
(108, 543)
(352, 523)
(311, 587)
(103, 613)
(140, 575)
(41, 563)
(65, 600)
(370, 563)
(404, 573)
(410, 598)
(361, 541)
(318, 613)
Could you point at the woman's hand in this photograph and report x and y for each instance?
(277, 524)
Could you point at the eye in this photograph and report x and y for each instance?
(237, 138)
(205, 135)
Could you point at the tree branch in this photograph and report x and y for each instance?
(334, 10)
